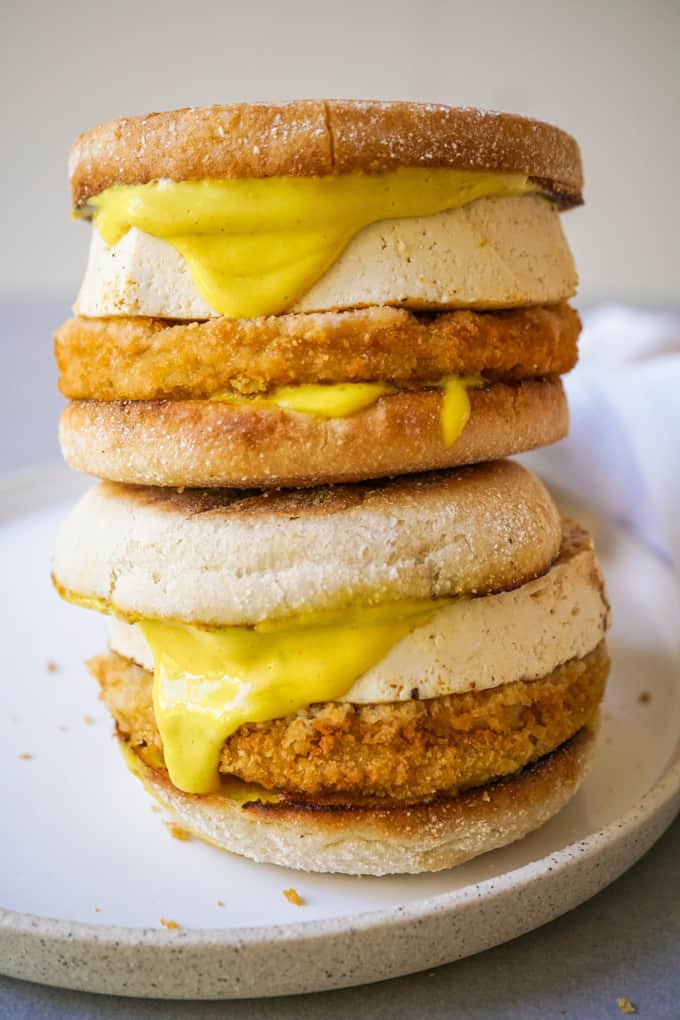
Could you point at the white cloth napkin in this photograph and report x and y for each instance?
(623, 451)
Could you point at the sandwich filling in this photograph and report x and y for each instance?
(336, 753)
(255, 246)
(210, 682)
(495, 252)
(205, 260)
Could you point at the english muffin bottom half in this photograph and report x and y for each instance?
(317, 292)
(394, 677)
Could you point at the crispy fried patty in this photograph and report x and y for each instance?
(406, 751)
(138, 358)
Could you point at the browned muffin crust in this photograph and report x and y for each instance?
(478, 530)
(407, 751)
(207, 443)
(317, 138)
(361, 837)
(130, 358)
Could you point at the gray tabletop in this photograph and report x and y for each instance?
(624, 943)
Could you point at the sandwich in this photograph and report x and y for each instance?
(386, 677)
(344, 634)
(317, 292)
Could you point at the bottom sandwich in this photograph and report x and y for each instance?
(370, 679)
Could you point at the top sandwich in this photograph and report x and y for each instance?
(317, 291)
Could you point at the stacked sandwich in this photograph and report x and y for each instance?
(332, 644)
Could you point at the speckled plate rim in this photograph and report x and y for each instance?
(337, 952)
(256, 961)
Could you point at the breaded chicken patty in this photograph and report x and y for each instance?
(407, 751)
(124, 358)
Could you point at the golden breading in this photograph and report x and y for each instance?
(405, 751)
(151, 359)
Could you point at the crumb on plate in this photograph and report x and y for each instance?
(293, 896)
(177, 832)
(626, 1006)
(171, 925)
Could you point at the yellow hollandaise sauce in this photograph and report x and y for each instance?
(325, 400)
(340, 400)
(255, 246)
(208, 683)
(455, 411)
(231, 787)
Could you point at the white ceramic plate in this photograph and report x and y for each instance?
(89, 869)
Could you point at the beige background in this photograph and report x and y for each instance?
(607, 72)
